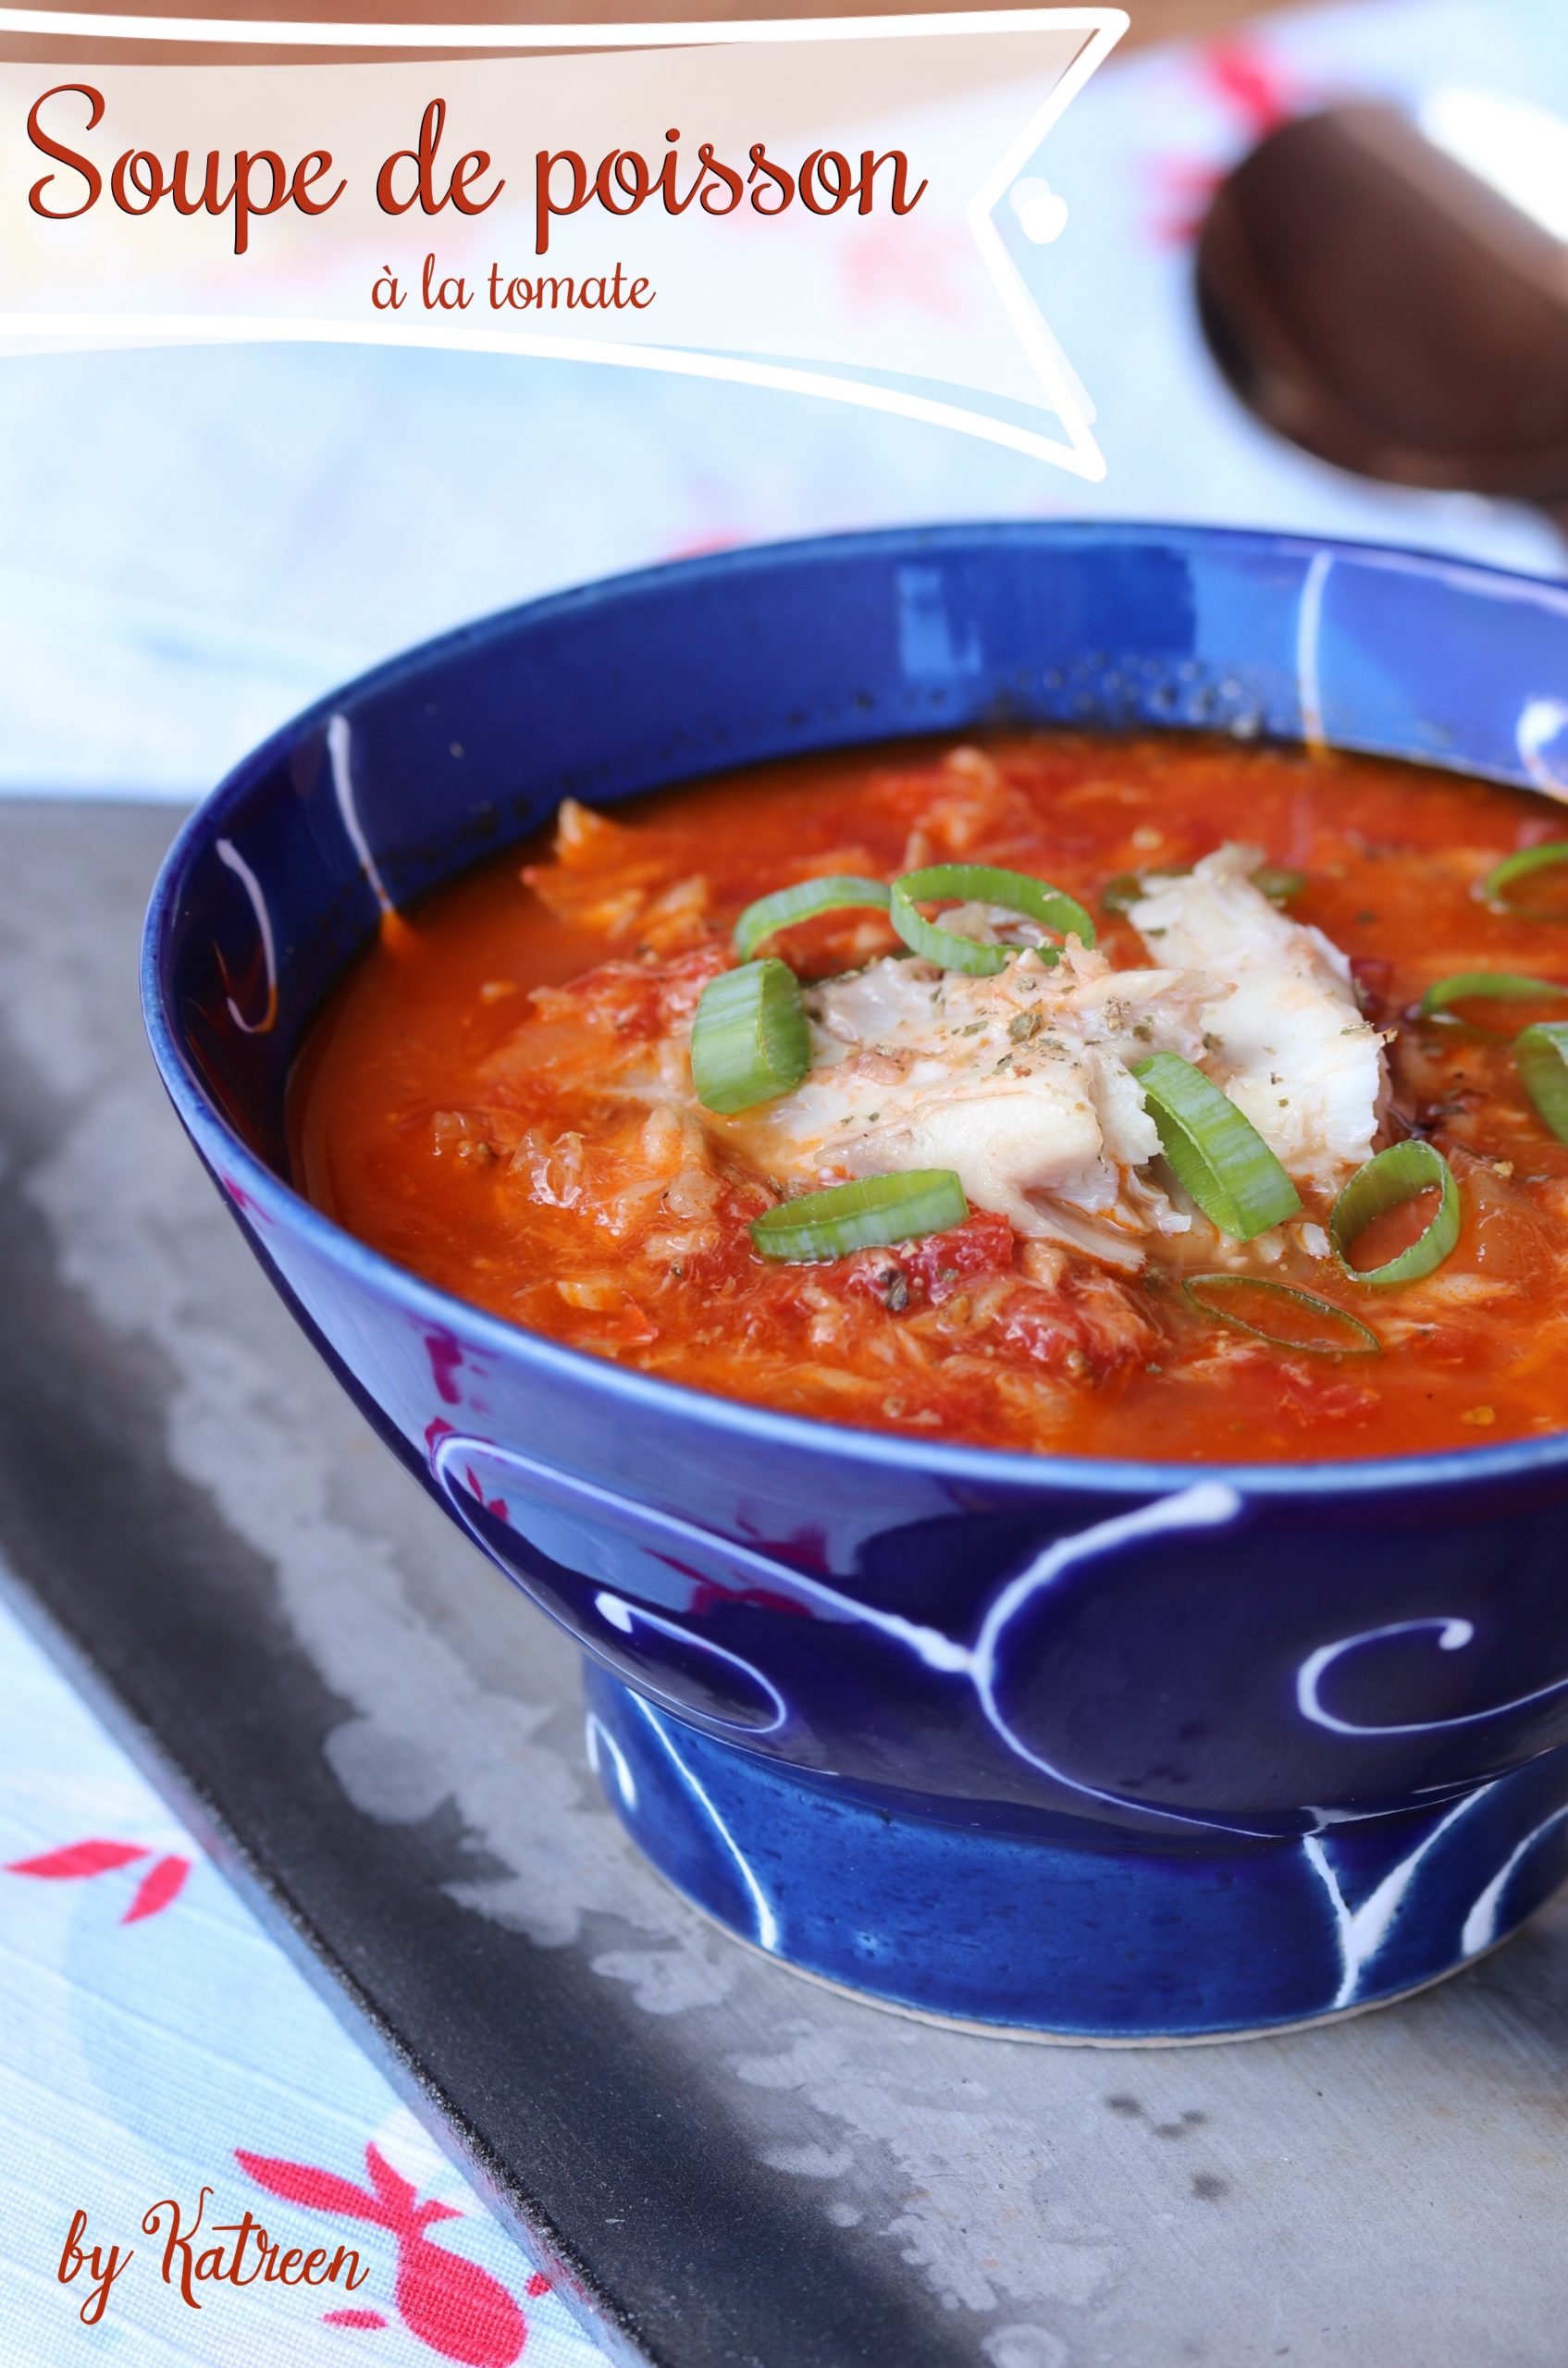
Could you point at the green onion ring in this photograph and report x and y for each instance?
(1387, 1181)
(1541, 1055)
(750, 1040)
(787, 906)
(1361, 1340)
(1216, 1154)
(982, 883)
(1126, 888)
(1524, 866)
(863, 1216)
(1505, 986)
(1279, 882)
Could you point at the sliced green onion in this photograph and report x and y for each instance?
(1216, 1154)
(750, 1041)
(863, 1216)
(1356, 1338)
(1479, 986)
(1502, 877)
(1278, 883)
(787, 906)
(1127, 888)
(1386, 1182)
(1541, 1055)
(982, 883)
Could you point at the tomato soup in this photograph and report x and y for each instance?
(1147, 1097)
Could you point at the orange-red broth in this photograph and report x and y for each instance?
(450, 1117)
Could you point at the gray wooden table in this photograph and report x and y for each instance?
(382, 1743)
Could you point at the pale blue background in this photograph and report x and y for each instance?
(194, 543)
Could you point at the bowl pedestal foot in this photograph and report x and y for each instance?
(1099, 1938)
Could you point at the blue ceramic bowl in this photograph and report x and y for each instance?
(1102, 1750)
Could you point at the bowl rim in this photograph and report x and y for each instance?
(935, 1459)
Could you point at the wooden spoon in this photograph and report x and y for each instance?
(1383, 306)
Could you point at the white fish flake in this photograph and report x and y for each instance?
(1019, 1082)
(1285, 1035)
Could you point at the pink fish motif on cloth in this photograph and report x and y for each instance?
(158, 1889)
(448, 2302)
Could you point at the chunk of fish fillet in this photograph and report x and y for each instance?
(1018, 1082)
(1284, 1035)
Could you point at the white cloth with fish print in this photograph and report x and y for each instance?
(155, 2041)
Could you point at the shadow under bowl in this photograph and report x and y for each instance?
(1093, 1749)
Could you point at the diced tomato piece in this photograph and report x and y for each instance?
(647, 999)
(682, 980)
(982, 1245)
(926, 1272)
(1091, 1325)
